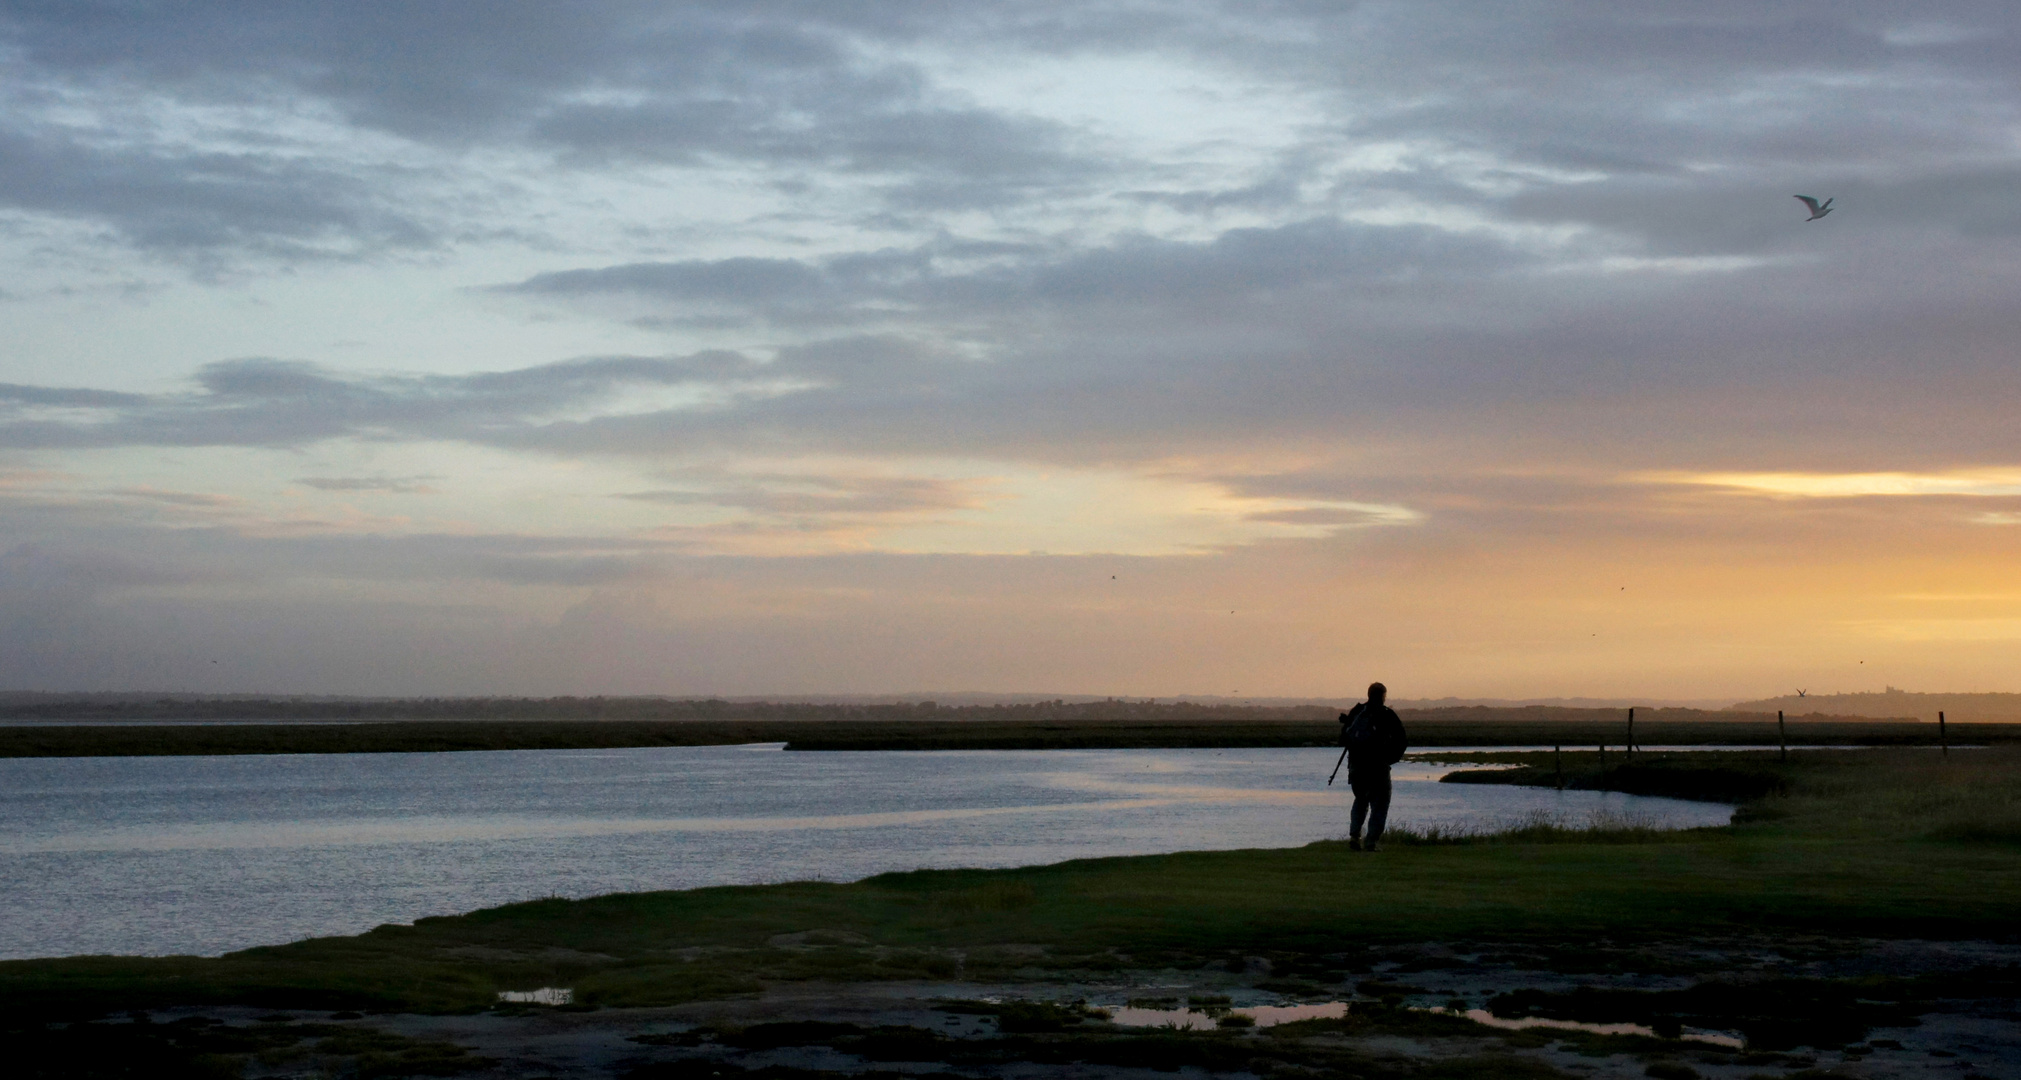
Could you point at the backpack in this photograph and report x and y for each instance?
(1361, 735)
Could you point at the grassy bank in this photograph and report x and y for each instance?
(1877, 842)
(1530, 727)
(1709, 776)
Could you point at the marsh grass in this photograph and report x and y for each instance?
(1963, 796)
(1715, 776)
(993, 896)
(1600, 826)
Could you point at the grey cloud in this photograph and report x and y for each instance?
(503, 558)
(765, 81)
(693, 84)
(90, 399)
(1709, 96)
(744, 280)
(38, 567)
(943, 156)
(829, 90)
(1235, 265)
(1275, 193)
(178, 201)
(1973, 202)
(1672, 216)
(197, 499)
(1401, 335)
(267, 402)
(1698, 124)
(103, 548)
(1243, 262)
(98, 601)
(439, 67)
(395, 485)
(792, 495)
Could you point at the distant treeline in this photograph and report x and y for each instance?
(1892, 703)
(82, 707)
(1553, 714)
(120, 739)
(72, 708)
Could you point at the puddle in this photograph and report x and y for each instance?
(546, 995)
(1205, 1019)
(1716, 1038)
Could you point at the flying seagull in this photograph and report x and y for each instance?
(1817, 209)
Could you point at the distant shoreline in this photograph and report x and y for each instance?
(1572, 728)
(32, 707)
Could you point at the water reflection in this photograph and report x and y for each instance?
(1716, 1038)
(546, 995)
(1204, 1018)
(208, 854)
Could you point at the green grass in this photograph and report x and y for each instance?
(1885, 842)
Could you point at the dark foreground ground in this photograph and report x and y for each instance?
(1738, 1008)
(1859, 919)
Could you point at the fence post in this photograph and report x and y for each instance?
(1943, 739)
(1782, 734)
(1603, 757)
(1629, 749)
(1558, 757)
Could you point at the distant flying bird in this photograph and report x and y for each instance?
(1817, 209)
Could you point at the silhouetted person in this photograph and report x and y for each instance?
(1374, 739)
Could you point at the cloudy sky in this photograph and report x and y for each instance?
(1136, 348)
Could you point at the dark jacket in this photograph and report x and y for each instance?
(1380, 752)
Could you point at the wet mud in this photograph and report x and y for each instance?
(1741, 1009)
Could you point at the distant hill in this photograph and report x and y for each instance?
(942, 698)
(1965, 708)
(1644, 715)
(83, 708)
(1558, 703)
(41, 707)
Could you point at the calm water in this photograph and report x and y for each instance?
(205, 855)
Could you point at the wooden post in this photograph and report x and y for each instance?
(1782, 734)
(1943, 739)
(1558, 756)
(1630, 748)
(1603, 757)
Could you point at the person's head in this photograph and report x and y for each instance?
(1377, 692)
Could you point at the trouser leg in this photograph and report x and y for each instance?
(1357, 816)
(1378, 809)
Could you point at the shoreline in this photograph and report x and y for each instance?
(136, 738)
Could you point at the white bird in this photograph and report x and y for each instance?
(1817, 209)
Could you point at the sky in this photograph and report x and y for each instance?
(1147, 349)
